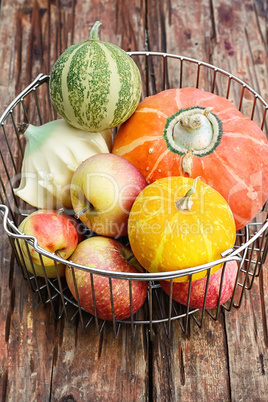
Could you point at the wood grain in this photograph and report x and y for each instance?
(193, 367)
(101, 366)
(44, 360)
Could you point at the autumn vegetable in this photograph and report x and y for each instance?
(95, 85)
(53, 152)
(177, 223)
(189, 132)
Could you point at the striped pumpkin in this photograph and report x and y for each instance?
(189, 132)
(95, 85)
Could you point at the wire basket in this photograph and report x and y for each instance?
(159, 71)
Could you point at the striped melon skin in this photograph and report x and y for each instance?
(95, 85)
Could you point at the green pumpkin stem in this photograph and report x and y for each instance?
(185, 203)
(94, 33)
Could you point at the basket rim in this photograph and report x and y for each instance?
(40, 79)
(45, 77)
(201, 63)
(231, 255)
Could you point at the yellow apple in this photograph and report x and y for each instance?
(103, 190)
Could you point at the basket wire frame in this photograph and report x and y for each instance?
(33, 106)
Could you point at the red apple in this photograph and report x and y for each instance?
(55, 232)
(109, 255)
(79, 226)
(198, 287)
(103, 190)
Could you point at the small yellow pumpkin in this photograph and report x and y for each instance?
(177, 222)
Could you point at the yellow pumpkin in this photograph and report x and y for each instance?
(177, 222)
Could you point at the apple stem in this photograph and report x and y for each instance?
(130, 257)
(186, 203)
(79, 213)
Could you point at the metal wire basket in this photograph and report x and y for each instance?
(159, 71)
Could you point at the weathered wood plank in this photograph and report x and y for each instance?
(34, 368)
(184, 28)
(21, 341)
(240, 47)
(121, 369)
(30, 347)
(244, 53)
(222, 36)
(247, 346)
(100, 367)
(193, 368)
(7, 307)
(183, 368)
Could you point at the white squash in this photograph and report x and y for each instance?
(53, 152)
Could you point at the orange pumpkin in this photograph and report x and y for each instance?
(177, 223)
(189, 132)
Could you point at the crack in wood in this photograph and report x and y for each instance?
(213, 36)
(5, 386)
(182, 368)
(263, 310)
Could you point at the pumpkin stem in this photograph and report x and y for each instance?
(22, 127)
(94, 33)
(191, 122)
(186, 203)
(194, 121)
(187, 162)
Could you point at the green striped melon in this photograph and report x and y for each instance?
(95, 85)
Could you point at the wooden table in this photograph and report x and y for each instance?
(44, 360)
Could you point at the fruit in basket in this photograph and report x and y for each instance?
(103, 190)
(108, 255)
(198, 288)
(55, 232)
(189, 132)
(95, 85)
(53, 152)
(177, 223)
